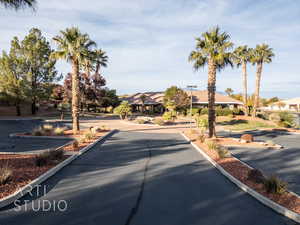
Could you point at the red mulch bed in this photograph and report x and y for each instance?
(24, 171)
(240, 171)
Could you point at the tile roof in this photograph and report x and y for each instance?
(200, 97)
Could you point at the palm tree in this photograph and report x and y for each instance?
(212, 49)
(143, 98)
(241, 56)
(17, 4)
(229, 91)
(74, 47)
(260, 55)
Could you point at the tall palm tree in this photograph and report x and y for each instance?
(241, 56)
(212, 49)
(74, 47)
(260, 55)
(100, 59)
(17, 4)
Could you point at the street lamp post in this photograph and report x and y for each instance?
(191, 87)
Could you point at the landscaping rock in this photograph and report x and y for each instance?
(247, 138)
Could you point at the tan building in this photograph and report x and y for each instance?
(153, 101)
(286, 105)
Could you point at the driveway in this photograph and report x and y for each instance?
(285, 162)
(8, 144)
(137, 178)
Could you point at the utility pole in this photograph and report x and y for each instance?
(191, 87)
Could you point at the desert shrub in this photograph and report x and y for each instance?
(141, 121)
(159, 121)
(256, 176)
(83, 140)
(47, 129)
(286, 119)
(37, 132)
(57, 154)
(274, 117)
(274, 185)
(103, 127)
(212, 145)
(223, 152)
(223, 111)
(75, 144)
(169, 116)
(195, 111)
(89, 135)
(5, 174)
(201, 138)
(48, 157)
(59, 131)
(204, 111)
(201, 123)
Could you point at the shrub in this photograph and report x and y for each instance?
(159, 121)
(223, 152)
(223, 111)
(202, 123)
(274, 185)
(57, 154)
(169, 116)
(141, 121)
(37, 132)
(48, 129)
(256, 176)
(89, 135)
(48, 157)
(83, 140)
(59, 131)
(274, 117)
(204, 111)
(212, 145)
(286, 119)
(75, 144)
(201, 138)
(195, 111)
(5, 174)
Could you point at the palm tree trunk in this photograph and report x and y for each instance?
(245, 86)
(257, 88)
(75, 96)
(211, 88)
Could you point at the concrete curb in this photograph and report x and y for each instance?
(273, 205)
(27, 188)
(17, 135)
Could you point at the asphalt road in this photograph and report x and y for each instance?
(140, 179)
(284, 163)
(8, 144)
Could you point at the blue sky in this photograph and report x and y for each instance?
(148, 41)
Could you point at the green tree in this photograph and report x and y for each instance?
(229, 91)
(12, 82)
(241, 56)
(36, 51)
(143, 98)
(175, 99)
(260, 55)
(212, 49)
(74, 47)
(123, 110)
(18, 4)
